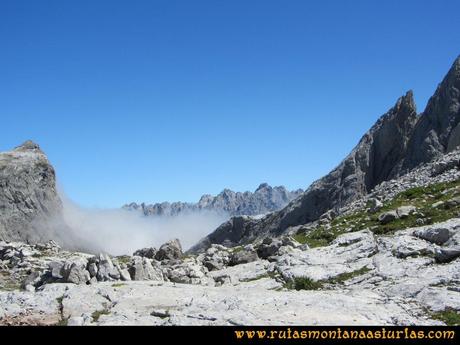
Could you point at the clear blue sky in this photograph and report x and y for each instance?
(168, 100)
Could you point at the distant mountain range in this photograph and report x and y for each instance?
(263, 200)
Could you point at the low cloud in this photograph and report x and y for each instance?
(119, 231)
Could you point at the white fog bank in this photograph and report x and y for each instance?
(119, 231)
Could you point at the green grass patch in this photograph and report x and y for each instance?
(98, 313)
(7, 282)
(317, 237)
(116, 285)
(123, 259)
(303, 283)
(449, 316)
(62, 322)
(237, 249)
(347, 276)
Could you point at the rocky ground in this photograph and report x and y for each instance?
(408, 276)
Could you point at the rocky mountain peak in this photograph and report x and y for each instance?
(263, 186)
(28, 145)
(401, 117)
(406, 103)
(438, 129)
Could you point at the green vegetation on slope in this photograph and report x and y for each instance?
(423, 198)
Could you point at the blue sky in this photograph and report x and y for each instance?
(168, 100)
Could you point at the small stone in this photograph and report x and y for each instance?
(388, 217)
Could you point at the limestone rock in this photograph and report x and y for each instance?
(142, 269)
(437, 233)
(245, 255)
(171, 250)
(388, 217)
(146, 252)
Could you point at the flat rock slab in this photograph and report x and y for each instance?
(159, 303)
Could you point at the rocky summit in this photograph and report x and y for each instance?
(374, 242)
(263, 200)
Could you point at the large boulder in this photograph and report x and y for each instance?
(388, 217)
(437, 233)
(106, 271)
(78, 274)
(149, 252)
(269, 247)
(243, 256)
(171, 250)
(215, 258)
(142, 269)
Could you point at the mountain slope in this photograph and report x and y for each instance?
(438, 129)
(30, 207)
(28, 195)
(263, 200)
(399, 141)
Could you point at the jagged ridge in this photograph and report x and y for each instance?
(263, 200)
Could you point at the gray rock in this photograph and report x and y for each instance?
(92, 269)
(247, 254)
(146, 252)
(142, 269)
(78, 274)
(438, 204)
(405, 211)
(33, 280)
(406, 246)
(171, 250)
(388, 217)
(438, 234)
(374, 205)
(216, 257)
(56, 269)
(106, 269)
(124, 274)
(269, 247)
(447, 254)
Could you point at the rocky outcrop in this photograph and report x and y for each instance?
(438, 130)
(28, 198)
(30, 207)
(263, 200)
(396, 144)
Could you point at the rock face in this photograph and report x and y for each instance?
(438, 129)
(263, 200)
(28, 197)
(397, 143)
(30, 208)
